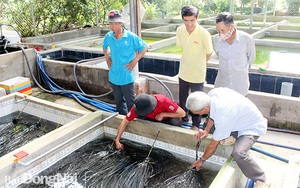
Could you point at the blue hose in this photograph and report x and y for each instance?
(269, 154)
(249, 184)
(72, 94)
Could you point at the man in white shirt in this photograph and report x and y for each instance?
(230, 111)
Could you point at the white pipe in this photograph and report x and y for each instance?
(286, 89)
(66, 142)
(251, 16)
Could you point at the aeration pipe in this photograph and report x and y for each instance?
(269, 154)
(250, 182)
(163, 84)
(278, 145)
(76, 80)
(66, 142)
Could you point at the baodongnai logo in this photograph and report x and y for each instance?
(53, 180)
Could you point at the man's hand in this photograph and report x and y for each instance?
(197, 164)
(159, 117)
(130, 66)
(108, 63)
(201, 134)
(119, 145)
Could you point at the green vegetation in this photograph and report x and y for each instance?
(150, 40)
(44, 17)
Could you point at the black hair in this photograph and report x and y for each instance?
(225, 17)
(189, 10)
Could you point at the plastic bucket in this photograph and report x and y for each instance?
(286, 88)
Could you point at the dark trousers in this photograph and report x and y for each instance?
(184, 88)
(124, 96)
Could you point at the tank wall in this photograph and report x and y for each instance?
(13, 64)
(176, 140)
(47, 110)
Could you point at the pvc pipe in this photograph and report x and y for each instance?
(249, 184)
(279, 145)
(286, 89)
(269, 154)
(66, 142)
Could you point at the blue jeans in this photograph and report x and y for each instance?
(124, 96)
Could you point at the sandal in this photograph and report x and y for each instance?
(228, 141)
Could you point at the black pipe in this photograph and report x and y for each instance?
(283, 130)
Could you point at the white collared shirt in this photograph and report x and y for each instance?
(235, 61)
(232, 111)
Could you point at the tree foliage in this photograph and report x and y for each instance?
(150, 11)
(43, 17)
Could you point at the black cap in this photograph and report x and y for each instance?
(144, 104)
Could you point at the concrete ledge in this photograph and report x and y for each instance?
(41, 145)
(281, 111)
(168, 133)
(229, 176)
(291, 178)
(59, 37)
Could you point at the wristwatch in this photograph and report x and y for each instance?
(201, 160)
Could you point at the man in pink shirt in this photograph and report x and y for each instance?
(155, 107)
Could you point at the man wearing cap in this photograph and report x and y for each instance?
(153, 107)
(122, 59)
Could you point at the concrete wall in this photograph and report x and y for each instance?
(90, 78)
(285, 34)
(58, 37)
(282, 44)
(14, 64)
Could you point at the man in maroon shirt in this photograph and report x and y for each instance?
(155, 107)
